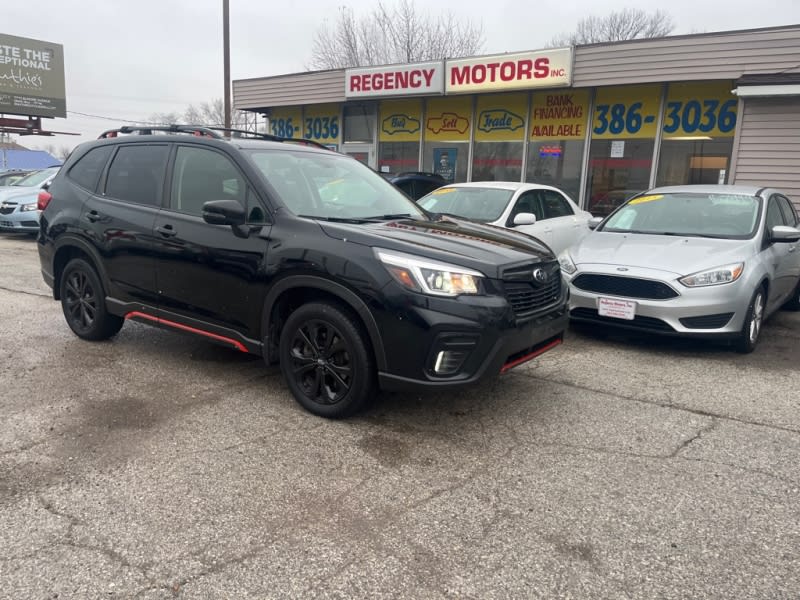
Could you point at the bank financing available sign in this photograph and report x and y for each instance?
(31, 77)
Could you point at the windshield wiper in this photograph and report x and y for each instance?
(337, 219)
(702, 235)
(390, 217)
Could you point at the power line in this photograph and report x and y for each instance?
(117, 119)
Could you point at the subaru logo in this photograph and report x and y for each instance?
(539, 275)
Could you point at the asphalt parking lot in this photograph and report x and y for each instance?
(161, 466)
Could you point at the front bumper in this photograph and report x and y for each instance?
(480, 338)
(23, 222)
(706, 312)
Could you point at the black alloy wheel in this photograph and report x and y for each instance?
(326, 360)
(83, 303)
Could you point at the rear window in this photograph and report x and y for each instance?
(713, 215)
(86, 172)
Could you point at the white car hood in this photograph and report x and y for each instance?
(679, 255)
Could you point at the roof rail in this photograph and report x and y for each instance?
(270, 137)
(198, 130)
(204, 131)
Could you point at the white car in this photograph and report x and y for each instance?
(542, 211)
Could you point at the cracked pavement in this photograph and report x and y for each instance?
(161, 466)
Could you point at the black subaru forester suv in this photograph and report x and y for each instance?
(296, 253)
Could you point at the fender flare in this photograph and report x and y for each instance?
(346, 295)
(85, 247)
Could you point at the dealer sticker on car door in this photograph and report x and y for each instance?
(618, 309)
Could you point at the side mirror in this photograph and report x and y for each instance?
(783, 233)
(524, 218)
(594, 222)
(223, 212)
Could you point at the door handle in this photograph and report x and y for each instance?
(166, 230)
(93, 216)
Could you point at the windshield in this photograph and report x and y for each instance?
(35, 178)
(691, 214)
(483, 204)
(332, 186)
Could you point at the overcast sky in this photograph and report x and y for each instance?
(128, 59)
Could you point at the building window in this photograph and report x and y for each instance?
(697, 139)
(399, 132)
(359, 123)
(448, 124)
(499, 137)
(557, 139)
(623, 139)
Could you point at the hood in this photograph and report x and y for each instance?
(485, 248)
(672, 254)
(12, 192)
(15, 194)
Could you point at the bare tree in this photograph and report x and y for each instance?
(212, 114)
(617, 26)
(392, 34)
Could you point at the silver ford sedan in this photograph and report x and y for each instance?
(698, 260)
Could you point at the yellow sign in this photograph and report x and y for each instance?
(559, 115)
(626, 112)
(286, 121)
(322, 123)
(501, 118)
(400, 121)
(448, 119)
(697, 110)
(643, 199)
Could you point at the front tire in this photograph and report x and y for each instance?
(326, 360)
(754, 319)
(84, 303)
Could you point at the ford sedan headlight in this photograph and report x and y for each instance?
(566, 263)
(715, 276)
(27, 207)
(438, 279)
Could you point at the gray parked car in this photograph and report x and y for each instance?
(705, 261)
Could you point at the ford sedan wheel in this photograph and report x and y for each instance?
(751, 329)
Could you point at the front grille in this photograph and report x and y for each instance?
(638, 322)
(528, 297)
(7, 210)
(629, 287)
(707, 321)
(6, 224)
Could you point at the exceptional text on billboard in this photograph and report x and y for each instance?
(31, 77)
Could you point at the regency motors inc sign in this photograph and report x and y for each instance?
(31, 77)
(500, 72)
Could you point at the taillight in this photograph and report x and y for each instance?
(43, 199)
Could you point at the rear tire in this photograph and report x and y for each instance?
(84, 303)
(751, 328)
(327, 361)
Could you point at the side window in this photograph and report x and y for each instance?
(774, 214)
(137, 174)
(255, 212)
(426, 187)
(555, 205)
(202, 175)
(528, 202)
(86, 172)
(407, 187)
(789, 214)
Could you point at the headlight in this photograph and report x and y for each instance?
(565, 261)
(27, 207)
(716, 276)
(439, 279)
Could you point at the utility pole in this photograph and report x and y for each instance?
(226, 42)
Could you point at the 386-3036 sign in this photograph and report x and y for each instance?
(691, 110)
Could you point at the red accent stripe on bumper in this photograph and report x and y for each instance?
(140, 315)
(530, 356)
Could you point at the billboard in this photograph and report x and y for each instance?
(31, 77)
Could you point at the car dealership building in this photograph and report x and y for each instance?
(601, 121)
